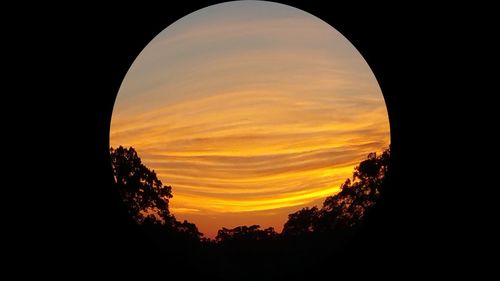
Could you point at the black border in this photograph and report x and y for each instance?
(87, 50)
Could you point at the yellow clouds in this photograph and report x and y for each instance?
(249, 116)
(253, 151)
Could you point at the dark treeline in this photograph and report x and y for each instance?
(309, 236)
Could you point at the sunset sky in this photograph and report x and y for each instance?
(250, 110)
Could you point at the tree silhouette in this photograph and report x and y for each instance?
(141, 190)
(245, 233)
(188, 230)
(301, 222)
(339, 212)
(245, 248)
(146, 197)
(348, 207)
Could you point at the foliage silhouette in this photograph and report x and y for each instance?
(347, 208)
(146, 198)
(309, 235)
(141, 190)
(301, 222)
(239, 233)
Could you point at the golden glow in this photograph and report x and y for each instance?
(249, 116)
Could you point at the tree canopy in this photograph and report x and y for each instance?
(148, 201)
(141, 190)
(347, 208)
(145, 195)
(301, 222)
(293, 252)
(253, 232)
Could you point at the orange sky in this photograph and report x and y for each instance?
(250, 110)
